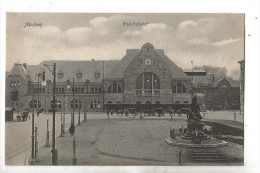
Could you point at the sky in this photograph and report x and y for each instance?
(205, 39)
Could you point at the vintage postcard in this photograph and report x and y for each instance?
(129, 90)
(120, 89)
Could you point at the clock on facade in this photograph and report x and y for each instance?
(147, 61)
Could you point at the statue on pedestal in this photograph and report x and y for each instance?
(194, 113)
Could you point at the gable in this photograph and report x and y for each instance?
(146, 50)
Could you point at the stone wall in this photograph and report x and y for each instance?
(138, 66)
(21, 91)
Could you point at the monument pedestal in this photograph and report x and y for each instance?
(192, 126)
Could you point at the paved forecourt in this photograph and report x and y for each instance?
(124, 141)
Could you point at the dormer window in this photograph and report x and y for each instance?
(15, 83)
(79, 75)
(97, 75)
(60, 75)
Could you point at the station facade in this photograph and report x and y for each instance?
(144, 78)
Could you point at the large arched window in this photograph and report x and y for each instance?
(114, 88)
(57, 104)
(77, 104)
(94, 104)
(35, 104)
(147, 83)
(179, 88)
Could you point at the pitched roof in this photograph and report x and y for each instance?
(209, 79)
(132, 53)
(177, 72)
(71, 68)
(120, 67)
(17, 69)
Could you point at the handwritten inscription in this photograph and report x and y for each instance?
(135, 23)
(34, 24)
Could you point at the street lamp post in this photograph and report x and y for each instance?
(38, 94)
(33, 156)
(33, 134)
(192, 77)
(79, 104)
(72, 128)
(64, 110)
(54, 151)
(103, 85)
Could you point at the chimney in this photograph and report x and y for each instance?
(25, 65)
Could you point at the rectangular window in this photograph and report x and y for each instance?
(60, 75)
(226, 94)
(115, 88)
(14, 96)
(148, 93)
(97, 75)
(138, 92)
(156, 92)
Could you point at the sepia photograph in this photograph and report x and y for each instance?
(124, 89)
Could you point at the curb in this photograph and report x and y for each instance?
(28, 157)
(173, 143)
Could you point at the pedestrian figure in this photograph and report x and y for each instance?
(23, 118)
(72, 129)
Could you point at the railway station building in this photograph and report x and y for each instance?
(144, 79)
